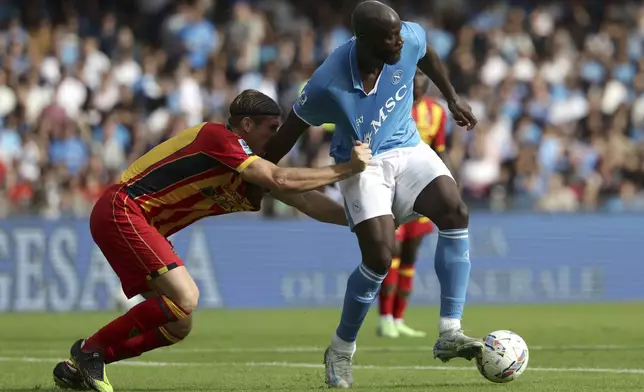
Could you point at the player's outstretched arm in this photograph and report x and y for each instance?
(316, 205)
(431, 65)
(285, 139)
(298, 179)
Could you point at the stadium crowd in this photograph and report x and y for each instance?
(87, 86)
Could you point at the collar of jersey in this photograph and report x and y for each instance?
(355, 72)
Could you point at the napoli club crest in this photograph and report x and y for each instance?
(396, 77)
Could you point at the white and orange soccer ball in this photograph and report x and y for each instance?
(505, 357)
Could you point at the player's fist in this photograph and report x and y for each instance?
(360, 156)
(462, 113)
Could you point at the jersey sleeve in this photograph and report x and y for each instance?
(227, 148)
(417, 37)
(438, 143)
(314, 105)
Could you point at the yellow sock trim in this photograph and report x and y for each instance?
(408, 272)
(168, 336)
(176, 310)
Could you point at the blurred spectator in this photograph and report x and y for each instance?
(88, 86)
(559, 197)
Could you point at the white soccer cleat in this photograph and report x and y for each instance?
(337, 369)
(404, 330)
(387, 328)
(455, 344)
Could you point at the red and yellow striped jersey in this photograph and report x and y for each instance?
(191, 176)
(430, 118)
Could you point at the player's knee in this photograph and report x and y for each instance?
(378, 259)
(184, 302)
(461, 214)
(454, 216)
(189, 299)
(178, 286)
(181, 328)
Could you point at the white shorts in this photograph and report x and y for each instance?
(390, 185)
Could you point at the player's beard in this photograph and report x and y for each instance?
(393, 58)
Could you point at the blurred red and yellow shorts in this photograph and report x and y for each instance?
(415, 229)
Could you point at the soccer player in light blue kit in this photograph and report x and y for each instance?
(365, 88)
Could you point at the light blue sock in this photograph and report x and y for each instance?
(362, 290)
(452, 265)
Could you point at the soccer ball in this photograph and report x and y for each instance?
(504, 358)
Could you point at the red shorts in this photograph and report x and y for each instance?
(415, 229)
(136, 251)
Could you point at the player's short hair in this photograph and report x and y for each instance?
(367, 14)
(253, 104)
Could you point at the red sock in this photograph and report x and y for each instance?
(388, 289)
(148, 315)
(140, 344)
(405, 284)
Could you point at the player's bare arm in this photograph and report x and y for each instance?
(264, 173)
(286, 138)
(431, 65)
(436, 140)
(316, 205)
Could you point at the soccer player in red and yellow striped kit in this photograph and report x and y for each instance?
(208, 170)
(430, 118)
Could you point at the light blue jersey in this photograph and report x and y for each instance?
(382, 117)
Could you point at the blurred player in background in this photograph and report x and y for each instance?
(210, 169)
(430, 119)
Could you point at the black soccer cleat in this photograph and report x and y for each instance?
(66, 376)
(91, 367)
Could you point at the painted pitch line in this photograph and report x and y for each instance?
(446, 368)
(314, 349)
(305, 365)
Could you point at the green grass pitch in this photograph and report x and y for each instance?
(594, 347)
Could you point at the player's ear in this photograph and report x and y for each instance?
(247, 124)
